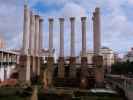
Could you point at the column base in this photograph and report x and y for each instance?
(36, 69)
(99, 71)
(61, 68)
(34, 65)
(84, 67)
(24, 75)
(72, 70)
(83, 77)
(50, 67)
(38, 66)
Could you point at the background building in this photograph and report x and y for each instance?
(128, 56)
(2, 42)
(108, 57)
(8, 63)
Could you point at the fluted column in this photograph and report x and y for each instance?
(72, 20)
(83, 21)
(51, 36)
(61, 37)
(96, 31)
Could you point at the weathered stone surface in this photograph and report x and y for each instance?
(72, 71)
(61, 69)
(99, 71)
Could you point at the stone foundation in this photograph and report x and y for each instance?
(99, 72)
(61, 68)
(72, 70)
(83, 77)
(24, 68)
(50, 67)
(84, 66)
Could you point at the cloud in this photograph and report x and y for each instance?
(116, 25)
(10, 20)
(130, 2)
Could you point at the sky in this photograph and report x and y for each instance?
(116, 21)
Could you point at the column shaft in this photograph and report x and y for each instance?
(51, 36)
(37, 34)
(40, 35)
(32, 34)
(97, 31)
(72, 20)
(83, 20)
(61, 69)
(26, 29)
(61, 37)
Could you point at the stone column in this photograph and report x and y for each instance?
(31, 41)
(35, 43)
(40, 37)
(72, 49)
(61, 69)
(50, 59)
(83, 55)
(96, 31)
(33, 32)
(26, 29)
(37, 18)
(97, 59)
(26, 44)
(30, 34)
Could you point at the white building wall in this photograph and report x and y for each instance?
(2, 73)
(108, 57)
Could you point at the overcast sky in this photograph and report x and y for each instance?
(116, 20)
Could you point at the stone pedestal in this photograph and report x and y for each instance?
(84, 66)
(72, 71)
(50, 67)
(99, 71)
(34, 66)
(24, 68)
(38, 66)
(61, 68)
(83, 77)
(31, 64)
